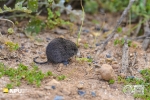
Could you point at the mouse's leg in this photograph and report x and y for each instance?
(65, 62)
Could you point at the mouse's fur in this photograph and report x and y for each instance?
(59, 50)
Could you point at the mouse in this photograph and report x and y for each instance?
(59, 50)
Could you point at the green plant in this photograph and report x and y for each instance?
(145, 81)
(10, 31)
(119, 29)
(84, 59)
(86, 45)
(23, 73)
(83, 16)
(12, 46)
(18, 8)
(111, 81)
(33, 5)
(54, 19)
(34, 26)
(113, 5)
(91, 6)
(121, 42)
(61, 77)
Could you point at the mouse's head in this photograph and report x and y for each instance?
(71, 47)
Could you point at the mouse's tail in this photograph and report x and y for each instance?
(34, 59)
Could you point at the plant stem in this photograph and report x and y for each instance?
(79, 34)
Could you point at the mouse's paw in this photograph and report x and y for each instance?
(65, 62)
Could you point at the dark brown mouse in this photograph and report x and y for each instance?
(59, 50)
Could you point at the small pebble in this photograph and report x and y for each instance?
(60, 68)
(97, 44)
(131, 55)
(81, 93)
(105, 30)
(108, 55)
(93, 94)
(122, 75)
(114, 62)
(97, 28)
(115, 66)
(1, 47)
(130, 77)
(104, 86)
(89, 57)
(3, 32)
(22, 35)
(65, 62)
(53, 87)
(48, 39)
(102, 11)
(59, 97)
(80, 86)
(97, 65)
(109, 59)
(85, 31)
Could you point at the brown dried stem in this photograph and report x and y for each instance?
(118, 23)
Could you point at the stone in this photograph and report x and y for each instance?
(53, 83)
(115, 66)
(81, 92)
(80, 86)
(106, 72)
(57, 97)
(109, 60)
(114, 62)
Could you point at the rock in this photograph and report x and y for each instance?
(66, 90)
(108, 55)
(53, 87)
(48, 39)
(96, 65)
(105, 30)
(106, 72)
(122, 75)
(113, 86)
(104, 86)
(93, 94)
(85, 31)
(114, 62)
(81, 92)
(109, 60)
(52, 83)
(59, 97)
(131, 55)
(1, 47)
(97, 27)
(130, 77)
(115, 66)
(21, 35)
(60, 67)
(80, 86)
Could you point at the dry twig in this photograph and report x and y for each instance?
(146, 41)
(115, 28)
(125, 61)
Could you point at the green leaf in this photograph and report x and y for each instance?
(119, 29)
(6, 8)
(10, 31)
(33, 5)
(57, 13)
(35, 26)
(50, 14)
